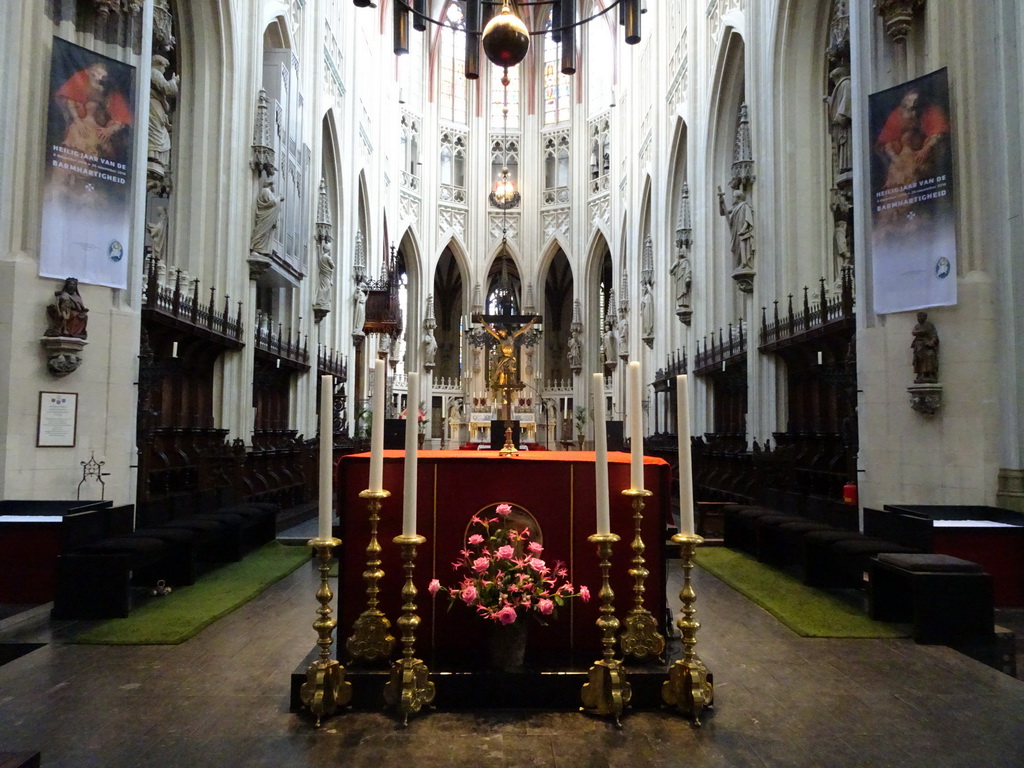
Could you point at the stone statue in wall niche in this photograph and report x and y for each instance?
(925, 347)
(68, 315)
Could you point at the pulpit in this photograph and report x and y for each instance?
(556, 488)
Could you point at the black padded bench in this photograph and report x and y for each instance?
(102, 558)
(946, 598)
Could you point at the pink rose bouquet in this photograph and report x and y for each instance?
(504, 576)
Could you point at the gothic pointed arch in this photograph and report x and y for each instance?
(801, 139)
(559, 293)
(451, 301)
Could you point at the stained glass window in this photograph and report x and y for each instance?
(452, 98)
(557, 87)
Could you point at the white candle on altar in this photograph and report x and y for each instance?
(601, 457)
(377, 429)
(686, 525)
(326, 516)
(411, 444)
(636, 428)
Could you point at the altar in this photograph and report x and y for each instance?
(556, 488)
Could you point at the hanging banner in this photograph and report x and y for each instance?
(913, 215)
(87, 190)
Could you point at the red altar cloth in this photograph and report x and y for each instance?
(557, 487)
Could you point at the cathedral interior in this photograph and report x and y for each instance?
(232, 224)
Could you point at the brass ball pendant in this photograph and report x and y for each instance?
(505, 39)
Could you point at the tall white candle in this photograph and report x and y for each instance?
(685, 465)
(377, 429)
(636, 428)
(601, 457)
(326, 516)
(411, 444)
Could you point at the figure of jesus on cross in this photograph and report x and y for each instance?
(506, 329)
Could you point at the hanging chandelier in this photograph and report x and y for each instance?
(504, 36)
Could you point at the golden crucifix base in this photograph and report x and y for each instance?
(508, 449)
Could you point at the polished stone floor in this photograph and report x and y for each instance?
(221, 699)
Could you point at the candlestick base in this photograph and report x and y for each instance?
(409, 687)
(641, 638)
(371, 637)
(508, 449)
(325, 688)
(690, 686)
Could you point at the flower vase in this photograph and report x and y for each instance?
(508, 646)
(420, 437)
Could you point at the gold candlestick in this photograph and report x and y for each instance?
(607, 693)
(641, 638)
(371, 638)
(409, 688)
(325, 688)
(690, 686)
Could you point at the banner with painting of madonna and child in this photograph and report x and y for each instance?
(913, 216)
(87, 190)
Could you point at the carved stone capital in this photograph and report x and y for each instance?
(898, 16)
(926, 398)
(63, 354)
(258, 264)
(684, 314)
(744, 279)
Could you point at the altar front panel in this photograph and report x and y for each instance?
(557, 488)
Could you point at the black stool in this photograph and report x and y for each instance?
(945, 597)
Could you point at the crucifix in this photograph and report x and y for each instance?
(507, 328)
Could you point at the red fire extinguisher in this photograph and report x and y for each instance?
(850, 494)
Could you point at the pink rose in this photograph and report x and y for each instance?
(468, 594)
(481, 564)
(434, 587)
(538, 565)
(545, 606)
(536, 548)
(504, 509)
(476, 538)
(585, 594)
(506, 615)
(505, 552)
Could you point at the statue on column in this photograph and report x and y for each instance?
(682, 277)
(68, 315)
(429, 347)
(623, 333)
(741, 226)
(926, 350)
(647, 313)
(840, 118)
(575, 354)
(359, 309)
(268, 207)
(611, 342)
(163, 92)
(326, 276)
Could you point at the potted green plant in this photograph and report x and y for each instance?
(581, 424)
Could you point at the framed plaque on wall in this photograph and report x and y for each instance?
(58, 420)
